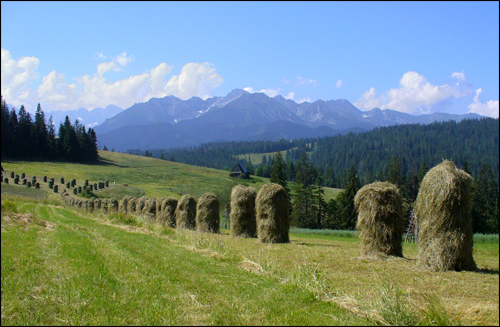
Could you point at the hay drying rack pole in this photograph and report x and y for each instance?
(412, 231)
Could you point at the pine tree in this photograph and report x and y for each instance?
(345, 200)
(278, 174)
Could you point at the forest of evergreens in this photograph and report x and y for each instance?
(25, 137)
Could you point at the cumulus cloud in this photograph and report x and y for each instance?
(269, 92)
(489, 108)
(290, 96)
(123, 60)
(17, 75)
(460, 76)
(415, 95)
(306, 99)
(305, 81)
(339, 83)
(195, 79)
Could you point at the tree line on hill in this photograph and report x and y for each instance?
(399, 154)
(25, 137)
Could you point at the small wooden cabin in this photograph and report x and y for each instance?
(239, 171)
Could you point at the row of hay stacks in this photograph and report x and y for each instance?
(442, 209)
(264, 214)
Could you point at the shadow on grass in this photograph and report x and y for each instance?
(488, 271)
(99, 162)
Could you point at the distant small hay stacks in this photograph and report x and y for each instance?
(273, 221)
(380, 220)
(242, 216)
(208, 213)
(185, 213)
(442, 209)
(167, 211)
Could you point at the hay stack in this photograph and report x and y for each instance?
(149, 209)
(131, 206)
(380, 219)
(185, 213)
(242, 216)
(104, 205)
(207, 213)
(167, 211)
(443, 213)
(139, 204)
(112, 205)
(122, 206)
(158, 207)
(90, 205)
(273, 221)
(97, 204)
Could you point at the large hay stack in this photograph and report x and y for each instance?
(242, 216)
(273, 221)
(442, 210)
(208, 213)
(97, 204)
(185, 213)
(380, 219)
(149, 209)
(167, 211)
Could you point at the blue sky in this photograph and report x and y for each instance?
(415, 57)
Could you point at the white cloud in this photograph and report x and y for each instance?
(17, 75)
(339, 83)
(100, 55)
(305, 81)
(460, 76)
(290, 96)
(269, 92)
(368, 100)
(195, 79)
(285, 80)
(489, 108)
(415, 95)
(306, 99)
(123, 60)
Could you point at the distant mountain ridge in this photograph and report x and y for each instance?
(170, 122)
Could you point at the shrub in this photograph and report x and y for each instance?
(185, 213)
(242, 216)
(208, 213)
(273, 221)
(442, 210)
(380, 219)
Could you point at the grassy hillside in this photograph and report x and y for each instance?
(62, 266)
(152, 177)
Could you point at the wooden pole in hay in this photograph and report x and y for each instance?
(185, 213)
(242, 216)
(167, 212)
(149, 209)
(442, 210)
(273, 221)
(208, 213)
(380, 219)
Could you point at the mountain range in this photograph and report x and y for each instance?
(240, 116)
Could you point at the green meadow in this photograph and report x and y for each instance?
(64, 266)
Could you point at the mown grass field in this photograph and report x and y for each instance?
(62, 266)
